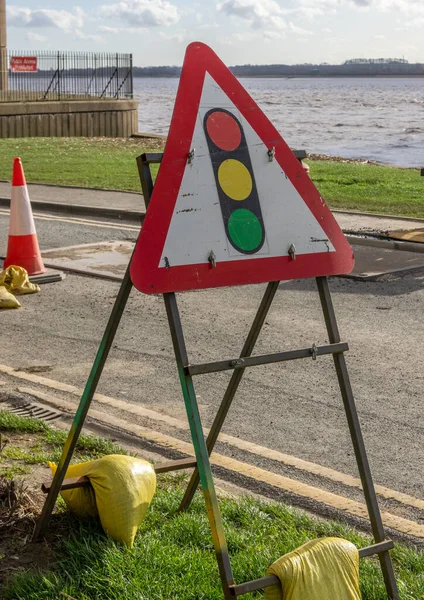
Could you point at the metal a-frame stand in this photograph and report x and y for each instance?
(204, 447)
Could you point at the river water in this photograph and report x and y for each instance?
(375, 119)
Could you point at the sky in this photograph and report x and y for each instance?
(157, 32)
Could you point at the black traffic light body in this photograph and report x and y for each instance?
(235, 181)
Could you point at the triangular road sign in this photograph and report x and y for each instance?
(231, 204)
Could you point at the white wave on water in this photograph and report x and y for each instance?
(375, 119)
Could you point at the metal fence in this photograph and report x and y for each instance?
(67, 76)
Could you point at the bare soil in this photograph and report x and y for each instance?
(21, 501)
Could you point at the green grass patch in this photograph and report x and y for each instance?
(86, 162)
(44, 448)
(173, 555)
(370, 188)
(88, 445)
(110, 164)
(11, 422)
(30, 456)
(13, 471)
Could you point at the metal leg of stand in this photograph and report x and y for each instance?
(199, 443)
(232, 387)
(357, 439)
(85, 403)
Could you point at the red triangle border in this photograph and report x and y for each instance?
(146, 274)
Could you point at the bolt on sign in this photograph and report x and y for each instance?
(231, 204)
(23, 64)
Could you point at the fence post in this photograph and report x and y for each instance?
(58, 75)
(4, 64)
(131, 77)
(117, 76)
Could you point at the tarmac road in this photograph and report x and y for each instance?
(56, 231)
(293, 407)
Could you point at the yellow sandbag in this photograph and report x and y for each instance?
(15, 280)
(122, 490)
(7, 300)
(324, 569)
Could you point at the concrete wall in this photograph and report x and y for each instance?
(85, 118)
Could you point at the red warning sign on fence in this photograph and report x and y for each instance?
(23, 64)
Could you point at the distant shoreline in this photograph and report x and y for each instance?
(281, 71)
(421, 76)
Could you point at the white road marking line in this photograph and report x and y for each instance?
(286, 459)
(286, 484)
(75, 220)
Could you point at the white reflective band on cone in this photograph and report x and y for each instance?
(21, 219)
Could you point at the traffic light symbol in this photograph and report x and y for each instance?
(235, 181)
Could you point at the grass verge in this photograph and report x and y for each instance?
(104, 163)
(110, 164)
(26, 450)
(370, 188)
(173, 555)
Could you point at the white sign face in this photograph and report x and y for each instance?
(197, 225)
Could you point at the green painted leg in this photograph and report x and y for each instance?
(232, 387)
(85, 403)
(199, 443)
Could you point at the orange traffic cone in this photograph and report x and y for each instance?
(22, 248)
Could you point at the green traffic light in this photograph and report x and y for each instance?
(245, 229)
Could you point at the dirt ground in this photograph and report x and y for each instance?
(21, 501)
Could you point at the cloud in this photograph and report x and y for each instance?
(61, 19)
(142, 13)
(110, 30)
(246, 36)
(92, 37)
(405, 6)
(416, 22)
(408, 7)
(178, 37)
(258, 14)
(274, 35)
(308, 12)
(35, 37)
(299, 30)
(211, 25)
(322, 5)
